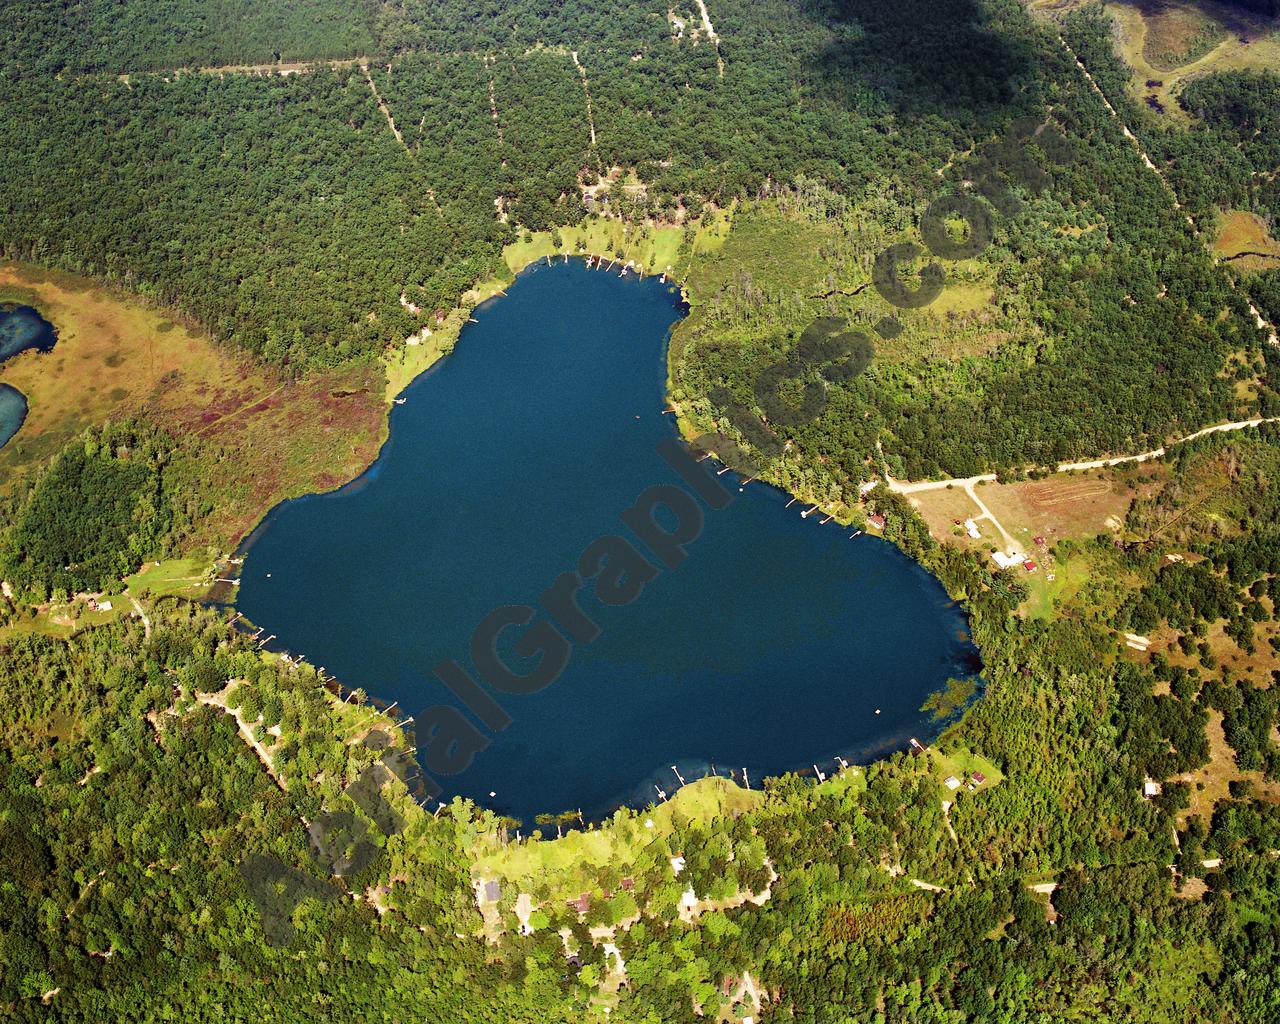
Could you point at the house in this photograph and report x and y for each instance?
(1029, 565)
(876, 520)
(582, 904)
(1150, 789)
(978, 778)
(492, 891)
(677, 863)
(628, 884)
(1005, 561)
(971, 528)
(951, 782)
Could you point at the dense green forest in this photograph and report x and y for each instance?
(56, 37)
(192, 828)
(101, 507)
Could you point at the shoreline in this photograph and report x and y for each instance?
(826, 764)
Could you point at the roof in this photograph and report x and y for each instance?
(628, 884)
(876, 520)
(492, 891)
(582, 904)
(1029, 565)
(978, 777)
(951, 782)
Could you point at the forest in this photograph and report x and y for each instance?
(181, 810)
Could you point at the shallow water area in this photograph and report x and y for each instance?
(21, 328)
(777, 644)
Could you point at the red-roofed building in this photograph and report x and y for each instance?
(1029, 565)
(876, 520)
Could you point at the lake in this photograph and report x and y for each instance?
(777, 644)
(21, 328)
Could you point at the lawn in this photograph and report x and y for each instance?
(175, 577)
(572, 856)
(962, 762)
(655, 249)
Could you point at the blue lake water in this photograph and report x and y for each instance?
(21, 328)
(771, 647)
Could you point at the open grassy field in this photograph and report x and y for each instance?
(1065, 505)
(1244, 241)
(1172, 41)
(250, 436)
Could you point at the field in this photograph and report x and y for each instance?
(1177, 34)
(1244, 242)
(1062, 506)
(1176, 41)
(248, 437)
(1065, 506)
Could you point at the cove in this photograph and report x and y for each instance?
(21, 328)
(770, 648)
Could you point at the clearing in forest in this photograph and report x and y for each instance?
(1244, 242)
(1171, 42)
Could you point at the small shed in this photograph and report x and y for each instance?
(951, 782)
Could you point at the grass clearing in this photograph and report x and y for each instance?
(654, 249)
(189, 578)
(1173, 41)
(1244, 242)
(961, 763)
(1212, 782)
(1177, 34)
(573, 855)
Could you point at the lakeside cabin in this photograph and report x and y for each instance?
(878, 521)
